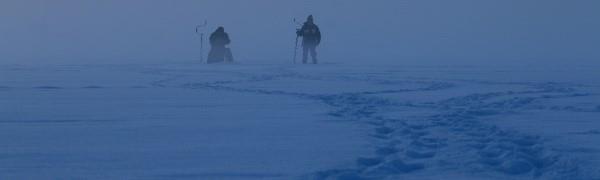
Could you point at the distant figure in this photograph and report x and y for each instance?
(219, 52)
(311, 38)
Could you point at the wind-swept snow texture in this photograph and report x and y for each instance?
(332, 121)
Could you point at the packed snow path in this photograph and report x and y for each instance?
(360, 123)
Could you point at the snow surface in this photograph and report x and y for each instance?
(268, 121)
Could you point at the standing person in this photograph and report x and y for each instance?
(311, 38)
(219, 52)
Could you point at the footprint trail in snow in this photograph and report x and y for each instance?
(449, 134)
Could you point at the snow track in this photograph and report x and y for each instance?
(421, 127)
(452, 136)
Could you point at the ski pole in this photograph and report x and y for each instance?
(201, 33)
(296, 44)
(296, 49)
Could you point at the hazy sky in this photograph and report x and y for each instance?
(435, 31)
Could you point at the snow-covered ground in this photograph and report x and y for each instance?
(266, 121)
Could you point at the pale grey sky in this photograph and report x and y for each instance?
(403, 31)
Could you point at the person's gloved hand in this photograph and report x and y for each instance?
(298, 32)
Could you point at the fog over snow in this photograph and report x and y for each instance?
(459, 32)
(404, 89)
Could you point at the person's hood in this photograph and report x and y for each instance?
(220, 30)
(310, 19)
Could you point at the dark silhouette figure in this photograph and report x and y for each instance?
(311, 38)
(219, 52)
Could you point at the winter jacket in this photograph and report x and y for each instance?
(219, 39)
(311, 35)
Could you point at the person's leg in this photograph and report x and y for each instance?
(212, 56)
(228, 55)
(305, 54)
(220, 54)
(313, 53)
